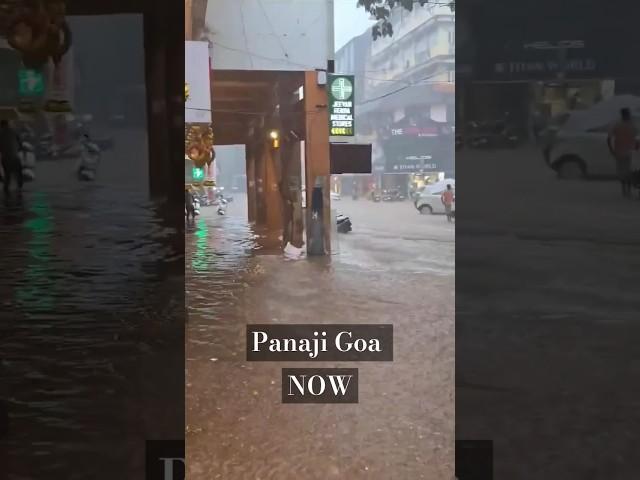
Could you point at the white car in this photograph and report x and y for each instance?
(577, 146)
(335, 196)
(430, 201)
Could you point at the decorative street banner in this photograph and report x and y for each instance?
(341, 105)
(197, 83)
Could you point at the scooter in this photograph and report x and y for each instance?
(28, 161)
(222, 206)
(344, 223)
(87, 168)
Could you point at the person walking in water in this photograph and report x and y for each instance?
(10, 153)
(622, 141)
(189, 204)
(447, 199)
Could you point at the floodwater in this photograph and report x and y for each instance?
(548, 286)
(395, 267)
(91, 322)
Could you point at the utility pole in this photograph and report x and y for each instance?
(331, 42)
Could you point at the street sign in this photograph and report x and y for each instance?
(341, 96)
(30, 82)
(197, 173)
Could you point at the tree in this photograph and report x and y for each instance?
(381, 11)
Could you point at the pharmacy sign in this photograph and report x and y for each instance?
(341, 106)
(30, 82)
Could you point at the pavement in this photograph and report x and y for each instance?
(397, 266)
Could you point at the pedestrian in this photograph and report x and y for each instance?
(447, 199)
(622, 141)
(189, 204)
(10, 153)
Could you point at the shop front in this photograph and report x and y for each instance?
(415, 150)
(530, 60)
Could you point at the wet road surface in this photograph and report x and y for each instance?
(395, 267)
(90, 322)
(547, 285)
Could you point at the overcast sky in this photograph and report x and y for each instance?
(350, 21)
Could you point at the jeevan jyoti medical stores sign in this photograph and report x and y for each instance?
(341, 105)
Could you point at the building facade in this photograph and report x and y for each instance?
(405, 95)
(542, 59)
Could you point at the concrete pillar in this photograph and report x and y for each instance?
(188, 20)
(317, 147)
(157, 121)
(260, 176)
(251, 182)
(164, 68)
(272, 191)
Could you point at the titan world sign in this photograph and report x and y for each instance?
(341, 105)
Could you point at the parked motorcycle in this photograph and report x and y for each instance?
(392, 195)
(491, 134)
(87, 168)
(222, 207)
(344, 224)
(28, 161)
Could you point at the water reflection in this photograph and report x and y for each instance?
(33, 292)
(237, 427)
(90, 329)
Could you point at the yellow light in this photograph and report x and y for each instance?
(276, 143)
(274, 134)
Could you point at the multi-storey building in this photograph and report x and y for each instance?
(405, 96)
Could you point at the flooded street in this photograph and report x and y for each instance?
(395, 267)
(548, 288)
(90, 322)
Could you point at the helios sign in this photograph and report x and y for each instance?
(341, 106)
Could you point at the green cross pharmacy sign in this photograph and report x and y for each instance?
(341, 105)
(30, 83)
(197, 174)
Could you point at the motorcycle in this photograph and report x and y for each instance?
(222, 207)
(89, 160)
(496, 134)
(392, 195)
(344, 223)
(28, 161)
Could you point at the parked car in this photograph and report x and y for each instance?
(430, 201)
(335, 196)
(441, 184)
(575, 146)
